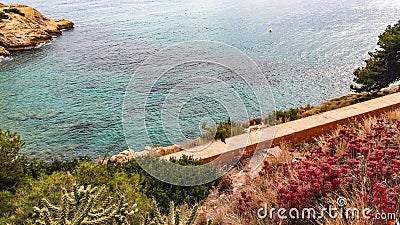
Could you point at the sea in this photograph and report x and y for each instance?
(66, 98)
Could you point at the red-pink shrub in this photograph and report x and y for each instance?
(370, 165)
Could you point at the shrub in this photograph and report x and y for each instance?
(135, 178)
(29, 193)
(3, 16)
(84, 205)
(370, 165)
(286, 115)
(175, 216)
(256, 121)
(26, 182)
(226, 185)
(6, 207)
(209, 133)
(163, 192)
(14, 10)
(222, 130)
(117, 179)
(36, 168)
(10, 160)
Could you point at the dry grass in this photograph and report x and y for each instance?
(393, 115)
(223, 209)
(352, 202)
(344, 101)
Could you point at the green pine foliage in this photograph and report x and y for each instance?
(383, 66)
(11, 170)
(84, 205)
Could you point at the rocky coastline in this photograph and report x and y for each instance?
(23, 27)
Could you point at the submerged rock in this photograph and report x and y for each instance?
(81, 127)
(23, 27)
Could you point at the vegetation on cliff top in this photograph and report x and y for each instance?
(221, 130)
(383, 66)
(14, 10)
(3, 16)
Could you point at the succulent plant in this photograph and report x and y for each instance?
(83, 206)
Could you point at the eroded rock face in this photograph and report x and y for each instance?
(27, 28)
(4, 52)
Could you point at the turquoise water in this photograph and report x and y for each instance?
(65, 98)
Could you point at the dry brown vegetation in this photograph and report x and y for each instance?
(250, 190)
(344, 101)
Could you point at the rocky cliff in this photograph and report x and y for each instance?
(23, 27)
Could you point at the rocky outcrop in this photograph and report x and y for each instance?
(168, 149)
(129, 154)
(23, 27)
(64, 24)
(4, 52)
(124, 156)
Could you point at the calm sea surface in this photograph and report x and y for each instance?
(65, 98)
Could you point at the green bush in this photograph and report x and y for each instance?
(287, 115)
(222, 130)
(24, 182)
(6, 207)
(18, 209)
(84, 205)
(14, 10)
(11, 171)
(256, 121)
(36, 168)
(3, 16)
(175, 216)
(29, 193)
(163, 192)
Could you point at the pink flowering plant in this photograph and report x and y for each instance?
(361, 165)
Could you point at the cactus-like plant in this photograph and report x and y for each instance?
(83, 206)
(175, 217)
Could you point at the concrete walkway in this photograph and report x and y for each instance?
(298, 130)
